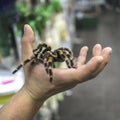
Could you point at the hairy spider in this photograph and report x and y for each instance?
(44, 54)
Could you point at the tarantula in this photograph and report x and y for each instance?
(44, 54)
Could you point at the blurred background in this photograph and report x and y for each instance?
(72, 24)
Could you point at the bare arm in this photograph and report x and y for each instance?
(20, 107)
(37, 87)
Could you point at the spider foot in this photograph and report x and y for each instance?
(14, 71)
(51, 79)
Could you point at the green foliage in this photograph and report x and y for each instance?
(56, 5)
(22, 9)
(37, 16)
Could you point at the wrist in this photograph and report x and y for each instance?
(33, 95)
(25, 105)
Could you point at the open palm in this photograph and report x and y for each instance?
(37, 80)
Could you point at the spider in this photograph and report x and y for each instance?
(44, 54)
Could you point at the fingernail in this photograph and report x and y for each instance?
(25, 29)
(109, 50)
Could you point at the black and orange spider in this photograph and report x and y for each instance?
(44, 54)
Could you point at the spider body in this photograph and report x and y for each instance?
(43, 54)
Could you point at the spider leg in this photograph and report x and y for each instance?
(69, 61)
(46, 65)
(48, 62)
(22, 64)
(69, 55)
(50, 72)
(17, 68)
(49, 69)
(40, 47)
(59, 55)
(66, 59)
(41, 53)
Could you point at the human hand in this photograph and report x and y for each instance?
(37, 83)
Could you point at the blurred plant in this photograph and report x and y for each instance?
(56, 5)
(37, 16)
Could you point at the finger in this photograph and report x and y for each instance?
(97, 50)
(27, 42)
(106, 53)
(82, 56)
(90, 68)
(82, 74)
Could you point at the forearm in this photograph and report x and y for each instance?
(20, 107)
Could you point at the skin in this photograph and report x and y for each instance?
(37, 87)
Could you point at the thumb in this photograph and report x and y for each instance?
(27, 42)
